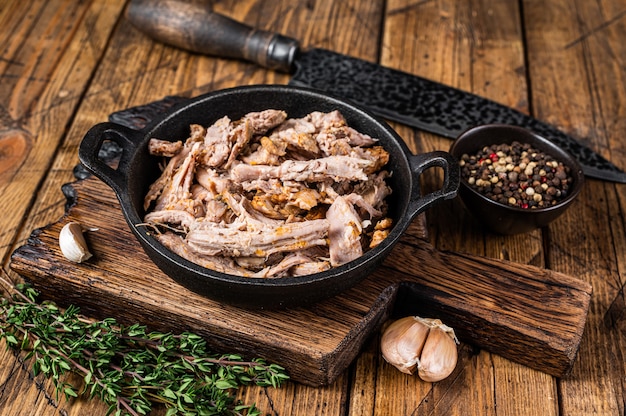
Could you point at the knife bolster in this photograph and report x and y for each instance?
(281, 53)
(271, 50)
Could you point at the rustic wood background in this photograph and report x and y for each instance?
(65, 65)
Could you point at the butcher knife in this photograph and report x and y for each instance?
(391, 94)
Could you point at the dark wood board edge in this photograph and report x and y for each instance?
(536, 319)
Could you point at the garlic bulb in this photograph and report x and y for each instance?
(72, 243)
(424, 344)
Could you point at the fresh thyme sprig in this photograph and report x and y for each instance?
(128, 367)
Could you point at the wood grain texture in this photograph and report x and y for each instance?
(476, 46)
(576, 63)
(44, 68)
(49, 52)
(539, 315)
(65, 66)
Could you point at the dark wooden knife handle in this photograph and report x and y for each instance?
(195, 27)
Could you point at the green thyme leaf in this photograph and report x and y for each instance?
(130, 369)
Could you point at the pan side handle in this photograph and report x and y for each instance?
(420, 163)
(88, 153)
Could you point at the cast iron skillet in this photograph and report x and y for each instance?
(137, 170)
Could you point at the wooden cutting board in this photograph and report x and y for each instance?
(529, 315)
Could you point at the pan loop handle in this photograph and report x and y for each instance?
(89, 150)
(420, 163)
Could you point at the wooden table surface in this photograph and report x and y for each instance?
(65, 65)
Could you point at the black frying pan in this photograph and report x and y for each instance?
(137, 170)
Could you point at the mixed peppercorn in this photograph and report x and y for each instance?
(517, 174)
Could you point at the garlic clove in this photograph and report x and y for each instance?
(439, 355)
(424, 344)
(402, 343)
(72, 243)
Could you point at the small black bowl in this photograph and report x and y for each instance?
(508, 219)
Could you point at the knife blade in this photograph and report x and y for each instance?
(392, 94)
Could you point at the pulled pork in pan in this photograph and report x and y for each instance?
(270, 196)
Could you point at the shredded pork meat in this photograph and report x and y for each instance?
(269, 196)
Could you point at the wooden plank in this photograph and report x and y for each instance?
(576, 62)
(498, 71)
(476, 46)
(49, 52)
(44, 68)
